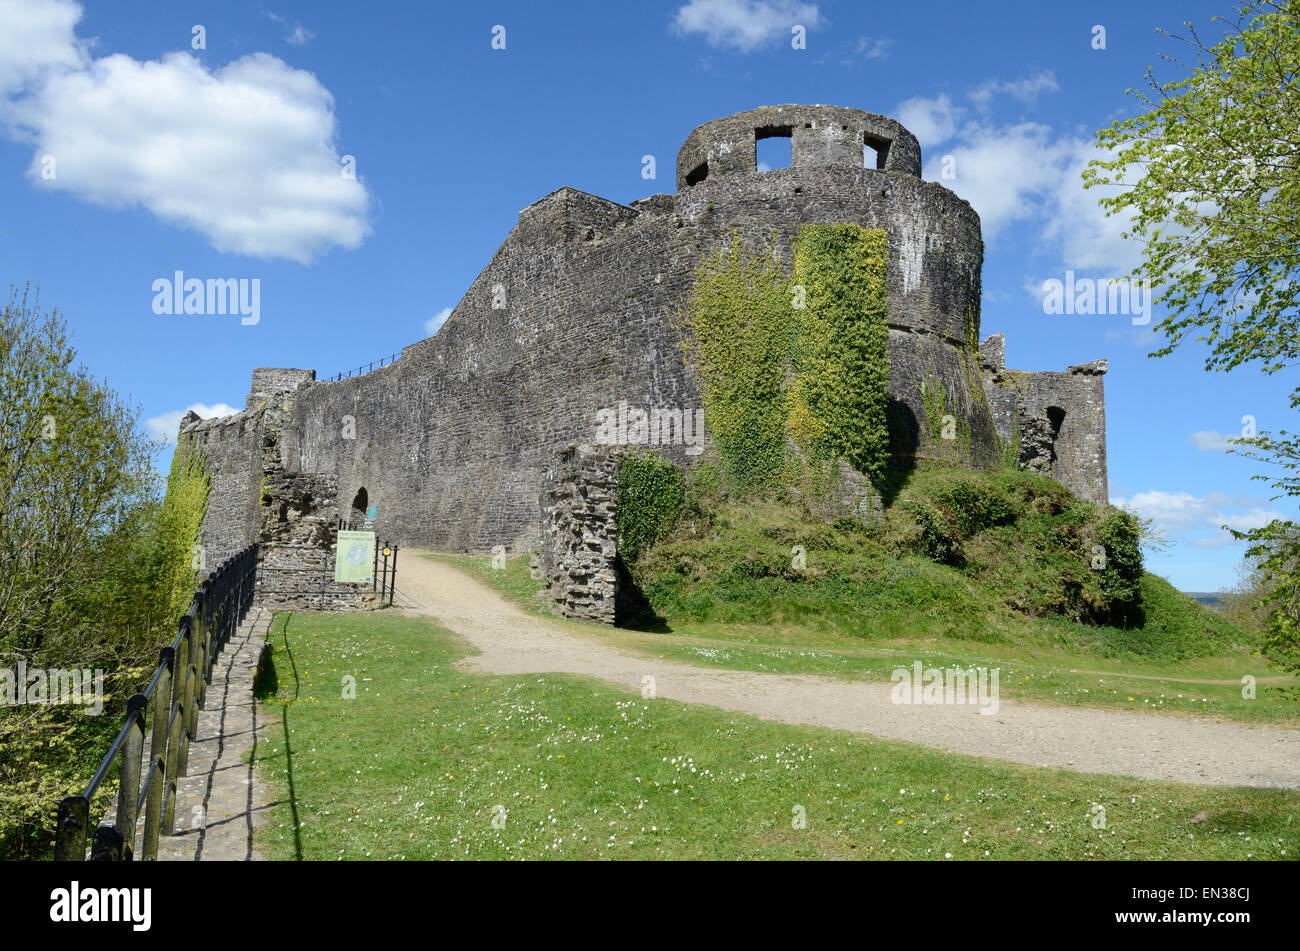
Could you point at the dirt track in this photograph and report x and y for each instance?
(1148, 746)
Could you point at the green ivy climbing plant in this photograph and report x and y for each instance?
(651, 493)
(802, 359)
(184, 506)
(737, 329)
(841, 346)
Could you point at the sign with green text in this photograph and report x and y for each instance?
(354, 559)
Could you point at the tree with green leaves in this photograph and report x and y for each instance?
(1209, 175)
(93, 564)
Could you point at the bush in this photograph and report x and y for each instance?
(1121, 575)
(939, 542)
(974, 505)
(651, 496)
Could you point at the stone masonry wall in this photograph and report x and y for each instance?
(574, 314)
(241, 450)
(578, 547)
(298, 538)
(1057, 420)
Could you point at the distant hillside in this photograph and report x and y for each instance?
(1210, 599)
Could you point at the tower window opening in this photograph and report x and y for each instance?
(875, 152)
(773, 147)
(698, 174)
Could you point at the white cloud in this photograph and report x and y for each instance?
(298, 35)
(931, 120)
(244, 155)
(872, 47)
(1208, 440)
(1198, 520)
(1007, 173)
(1256, 517)
(1022, 171)
(1089, 239)
(1026, 90)
(434, 323)
(164, 427)
(36, 39)
(744, 25)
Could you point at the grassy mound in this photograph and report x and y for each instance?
(985, 556)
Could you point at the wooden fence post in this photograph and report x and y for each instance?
(157, 778)
(128, 787)
(189, 719)
(70, 836)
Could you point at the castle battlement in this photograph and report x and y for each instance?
(820, 136)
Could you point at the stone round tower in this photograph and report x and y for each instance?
(847, 165)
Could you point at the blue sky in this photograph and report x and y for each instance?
(224, 161)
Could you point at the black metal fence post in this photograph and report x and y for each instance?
(392, 586)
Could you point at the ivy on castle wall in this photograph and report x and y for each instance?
(651, 494)
(737, 328)
(947, 435)
(802, 360)
(186, 502)
(841, 346)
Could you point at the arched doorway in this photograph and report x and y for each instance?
(360, 503)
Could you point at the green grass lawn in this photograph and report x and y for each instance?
(1042, 663)
(424, 758)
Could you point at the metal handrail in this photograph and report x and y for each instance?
(364, 368)
(219, 604)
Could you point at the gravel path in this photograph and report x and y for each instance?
(1147, 746)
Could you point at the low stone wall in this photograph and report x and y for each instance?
(578, 538)
(297, 542)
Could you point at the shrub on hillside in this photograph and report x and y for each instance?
(1121, 572)
(651, 495)
(974, 504)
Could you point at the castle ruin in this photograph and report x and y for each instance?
(573, 315)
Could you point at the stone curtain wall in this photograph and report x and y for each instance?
(452, 439)
(241, 450)
(578, 546)
(231, 447)
(298, 537)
